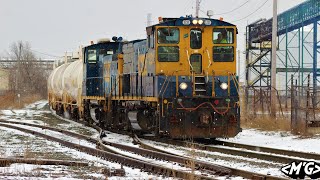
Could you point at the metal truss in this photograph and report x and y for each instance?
(297, 51)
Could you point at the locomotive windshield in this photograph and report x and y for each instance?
(195, 38)
(223, 54)
(223, 36)
(168, 35)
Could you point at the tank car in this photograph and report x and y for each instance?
(179, 82)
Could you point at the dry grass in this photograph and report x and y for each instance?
(9, 100)
(266, 123)
(191, 163)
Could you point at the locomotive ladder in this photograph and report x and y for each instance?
(200, 86)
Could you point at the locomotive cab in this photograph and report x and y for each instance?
(94, 57)
(100, 71)
(196, 82)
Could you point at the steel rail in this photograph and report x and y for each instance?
(12, 160)
(214, 169)
(299, 154)
(113, 157)
(200, 165)
(234, 171)
(233, 151)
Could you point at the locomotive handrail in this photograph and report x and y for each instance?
(113, 89)
(213, 84)
(229, 84)
(189, 59)
(236, 82)
(210, 62)
(163, 95)
(163, 85)
(193, 82)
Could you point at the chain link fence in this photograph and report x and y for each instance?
(305, 108)
(257, 102)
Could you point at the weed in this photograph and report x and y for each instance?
(266, 123)
(10, 101)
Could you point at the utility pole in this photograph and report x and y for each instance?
(149, 21)
(239, 64)
(18, 74)
(274, 60)
(197, 7)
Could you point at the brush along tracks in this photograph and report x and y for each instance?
(110, 155)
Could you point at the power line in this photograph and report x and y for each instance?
(252, 12)
(50, 55)
(234, 8)
(190, 3)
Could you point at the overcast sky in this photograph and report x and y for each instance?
(55, 26)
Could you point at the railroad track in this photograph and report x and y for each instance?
(234, 171)
(12, 160)
(156, 153)
(299, 154)
(248, 151)
(108, 154)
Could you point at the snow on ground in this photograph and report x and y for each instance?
(248, 164)
(26, 145)
(279, 140)
(36, 113)
(14, 143)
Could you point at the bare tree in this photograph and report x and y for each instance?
(29, 76)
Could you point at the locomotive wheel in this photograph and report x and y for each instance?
(75, 114)
(87, 116)
(127, 126)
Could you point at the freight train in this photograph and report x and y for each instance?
(179, 82)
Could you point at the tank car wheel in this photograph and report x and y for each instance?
(59, 110)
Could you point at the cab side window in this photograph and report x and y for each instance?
(168, 53)
(166, 38)
(92, 56)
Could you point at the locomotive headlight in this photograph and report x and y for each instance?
(194, 21)
(207, 22)
(186, 22)
(200, 21)
(224, 86)
(183, 86)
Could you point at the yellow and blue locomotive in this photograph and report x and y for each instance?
(179, 82)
